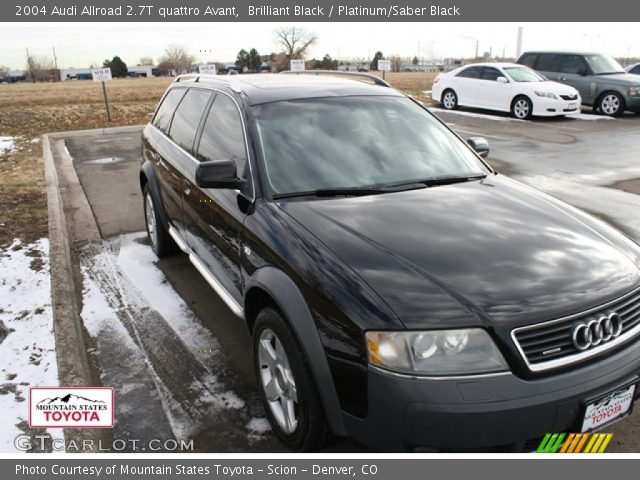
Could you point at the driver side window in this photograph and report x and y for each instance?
(223, 138)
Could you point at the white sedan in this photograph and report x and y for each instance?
(507, 87)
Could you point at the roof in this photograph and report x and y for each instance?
(265, 88)
(493, 64)
(561, 52)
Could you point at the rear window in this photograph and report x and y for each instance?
(636, 69)
(528, 59)
(548, 62)
(163, 117)
(187, 118)
(471, 72)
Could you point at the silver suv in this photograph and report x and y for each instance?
(601, 81)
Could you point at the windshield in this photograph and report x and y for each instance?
(602, 64)
(520, 74)
(352, 142)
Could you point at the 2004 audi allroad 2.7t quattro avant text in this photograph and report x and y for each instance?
(397, 289)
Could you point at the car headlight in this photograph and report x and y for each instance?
(435, 352)
(634, 91)
(546, 95)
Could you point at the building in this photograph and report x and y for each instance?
(75, 74)
(143, 71)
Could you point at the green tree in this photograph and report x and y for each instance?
(254, 60)
(327, 63)
(117, 66)
(242, 60)
(374, 63)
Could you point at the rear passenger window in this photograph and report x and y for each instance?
(187, 118)
(491, 74)
(223, 137)
(162, 120)
(529, 60)
(573, 64)
(548, 63)
(471, 72)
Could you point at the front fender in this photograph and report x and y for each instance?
(291, 302)
(149, 177)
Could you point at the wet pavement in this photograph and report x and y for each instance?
(183, 368)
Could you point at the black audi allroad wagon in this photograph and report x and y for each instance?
(397, 289)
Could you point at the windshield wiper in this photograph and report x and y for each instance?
(336, 192)
(447, 180)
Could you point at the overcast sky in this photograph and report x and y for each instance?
(81, 44)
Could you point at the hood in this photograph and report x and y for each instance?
(625, 79)
(491, 252)
(554, 87)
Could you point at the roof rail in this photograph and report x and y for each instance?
(210, 78)
(369, 76)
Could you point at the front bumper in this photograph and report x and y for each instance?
(548, 107)
(500, 412)
(633, 104)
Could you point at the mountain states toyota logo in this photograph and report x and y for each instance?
(71, 407)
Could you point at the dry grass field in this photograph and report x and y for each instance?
(28, 111)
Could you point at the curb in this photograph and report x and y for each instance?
(74, 367)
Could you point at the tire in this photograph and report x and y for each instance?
(286, 384)
(611, 104)
(449, 99)
(521, 108)
(161, 242)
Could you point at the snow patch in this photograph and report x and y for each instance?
(7, 144)
(27, 352)
(588, 116)
(257, 427)
(137, 262)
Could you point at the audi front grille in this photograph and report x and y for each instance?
(576, 338)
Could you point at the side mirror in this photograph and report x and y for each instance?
(583, 72)
(480, 145)
(218, 174)
(502, 80)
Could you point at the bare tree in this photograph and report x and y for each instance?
(146, 61)
(176, 58)
(4, 72)
(396, 63)
(295, 41)
(40, 69)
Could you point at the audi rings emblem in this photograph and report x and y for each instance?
(596, 331)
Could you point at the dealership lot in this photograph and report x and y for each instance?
(189, 357)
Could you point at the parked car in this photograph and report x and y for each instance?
(505, 87)
(601, 81)
(397, 289)
(635, 69)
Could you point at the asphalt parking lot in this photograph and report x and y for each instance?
(184, 368)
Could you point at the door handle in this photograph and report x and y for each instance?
(186, 190)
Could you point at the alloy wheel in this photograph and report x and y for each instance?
(610, 104)
(521, 108)
(277, 381)
(150, 216)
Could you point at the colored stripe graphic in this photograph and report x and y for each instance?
(574, 443)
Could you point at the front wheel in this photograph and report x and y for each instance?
(522, 108)
(611, 104)
(286, 384)
(449, 100)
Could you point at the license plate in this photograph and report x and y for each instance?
(608, 409)
(573, 106)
